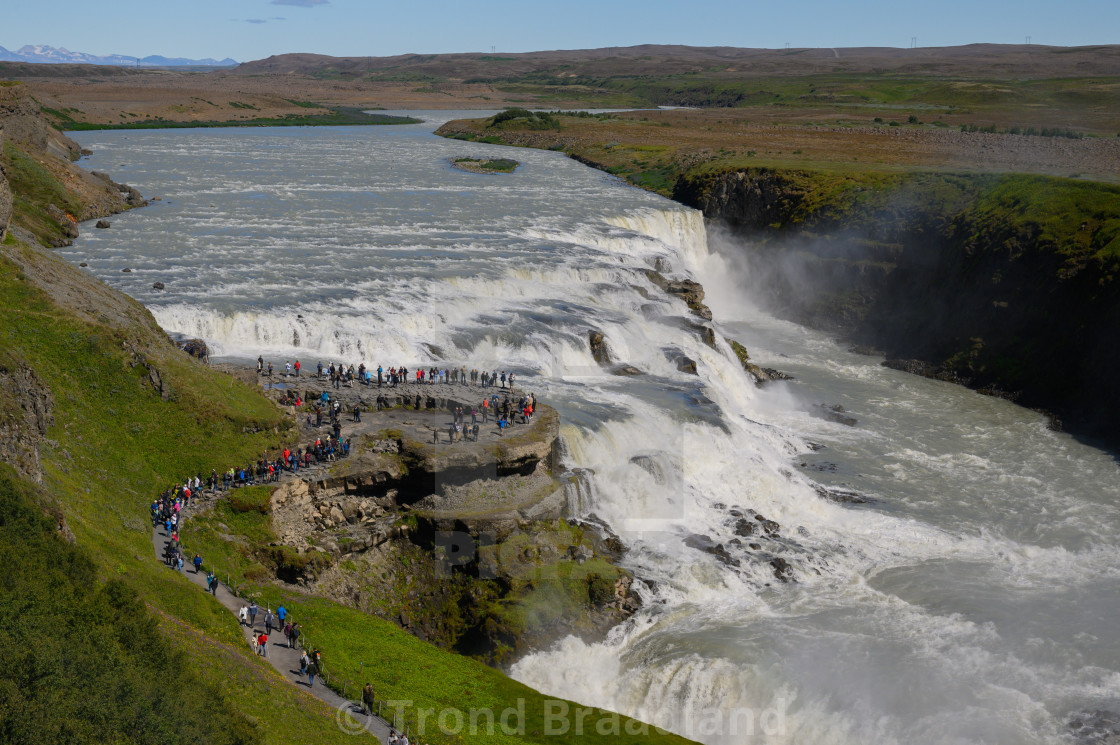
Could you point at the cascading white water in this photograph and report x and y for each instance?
(971, 601)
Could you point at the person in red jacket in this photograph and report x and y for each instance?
(262, 645)
(297, 368)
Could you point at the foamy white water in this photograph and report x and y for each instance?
(973, 601)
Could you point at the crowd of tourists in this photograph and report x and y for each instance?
(168, 510)
(505, 411)
(340, 375)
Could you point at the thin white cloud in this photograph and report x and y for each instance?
(301, 3)
(255, 20)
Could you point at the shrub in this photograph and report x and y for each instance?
(600, 590)
(252, 499)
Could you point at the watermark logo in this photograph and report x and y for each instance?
(563, 719)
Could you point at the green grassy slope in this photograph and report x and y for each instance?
(85, 661)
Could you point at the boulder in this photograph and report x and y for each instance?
(835, 413)
(103, 224)
(692, 293)
(625, 370)
(67, 224)
(840, 495)
(687, 365)
(599, 351)
(782, 569)
(195, 348)
(744, 527)
(765, 375)
(708, 336)
(705, 544)
(157, 285)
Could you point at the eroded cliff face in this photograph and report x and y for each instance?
(26, 411)
(37, 160)
(1008, 284)
(20, 116)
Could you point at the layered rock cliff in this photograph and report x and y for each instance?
(51, 195)
(1006, 283)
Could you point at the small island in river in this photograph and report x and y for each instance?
(485, 165)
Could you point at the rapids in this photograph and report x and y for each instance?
(973, 599)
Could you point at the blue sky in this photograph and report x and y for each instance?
(253, 29)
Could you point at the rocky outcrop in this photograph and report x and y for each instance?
(686, 365)
(690, 291)
(24, 124)
(762, 375)
(406, 529)
(751, 200)
(26, 407)
(132, 196)
(599, 351)
(194, 347)
(5, 195)
(43, 158)
(68, 225)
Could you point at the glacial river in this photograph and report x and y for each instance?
(973, 599)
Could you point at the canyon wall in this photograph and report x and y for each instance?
(1005, 283)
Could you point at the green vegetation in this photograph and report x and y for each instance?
(74, 619)
(305, 104)
(1067, 133)
(403, 668)
(1079, 220)
(358, 647)
(338, 117)
(252, 499)
(34, 187)
(91, 649)
(493, 165)
(740, 352)
(523, 119)
(852, 91)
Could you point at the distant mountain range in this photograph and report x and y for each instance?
(43, 54)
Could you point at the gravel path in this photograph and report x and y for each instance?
(285, 660)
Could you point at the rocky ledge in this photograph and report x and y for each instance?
(412, 524)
